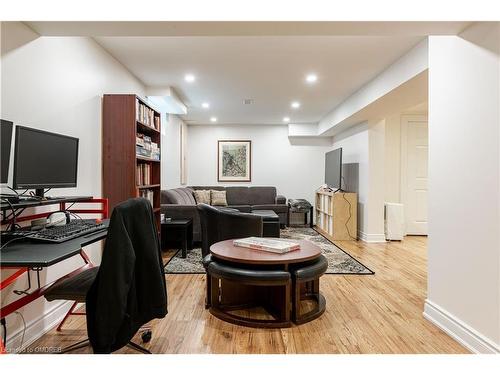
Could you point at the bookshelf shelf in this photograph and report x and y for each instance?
(130, 126)
(146, 128)
(145, 158)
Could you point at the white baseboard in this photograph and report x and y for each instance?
(458, 330)
(37, 328)
(367, 237)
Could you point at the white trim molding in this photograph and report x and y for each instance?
(37, 328)
(458, 330)
(371, 238)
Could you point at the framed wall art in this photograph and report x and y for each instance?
(234, 161)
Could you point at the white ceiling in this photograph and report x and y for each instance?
(263, 61)
(270, 70)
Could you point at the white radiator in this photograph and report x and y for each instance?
(394, 221)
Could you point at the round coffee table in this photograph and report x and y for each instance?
(248, 278)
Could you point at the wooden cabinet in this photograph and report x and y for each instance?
(127, 170)
(336, 215)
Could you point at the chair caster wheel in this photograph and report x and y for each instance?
(146, 336)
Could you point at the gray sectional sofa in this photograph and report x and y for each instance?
(180, 202)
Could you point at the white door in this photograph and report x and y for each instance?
(414, 172)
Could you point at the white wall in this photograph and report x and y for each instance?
(171, 148)
(376, 182)
(464, 192)
(393, 158)
(296, 170)
(56, 84)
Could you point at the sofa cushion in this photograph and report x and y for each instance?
(202, 196)
(218, 198)
(261, 195)
(237, 195)
(178, 196)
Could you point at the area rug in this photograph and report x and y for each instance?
(339, 262)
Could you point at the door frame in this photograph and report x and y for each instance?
(403, 172)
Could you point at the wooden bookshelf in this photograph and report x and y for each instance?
(125, 116)
(336, 215)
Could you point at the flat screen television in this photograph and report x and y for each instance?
(333, 169)
(6, 139)
(44, 160)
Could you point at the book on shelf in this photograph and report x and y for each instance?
(146, 115)
(143, 174)
(148, 194)
(267, 244)
(145, 147)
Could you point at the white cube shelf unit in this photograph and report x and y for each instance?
(336, 215)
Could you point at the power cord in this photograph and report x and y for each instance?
(15, 192)
(350, 215)
(13, 223)
(12, 240)
(4, 325)
(24, 329)
(350, 208)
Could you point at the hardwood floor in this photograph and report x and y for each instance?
(379, 313)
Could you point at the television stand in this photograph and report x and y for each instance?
(336, 214)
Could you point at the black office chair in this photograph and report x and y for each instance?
(128, 289)
(219, 225)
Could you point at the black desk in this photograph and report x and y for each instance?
(24, 256)
(29, 253)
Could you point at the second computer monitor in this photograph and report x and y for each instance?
(44, 160)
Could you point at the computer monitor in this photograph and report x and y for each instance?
(44, 160)
(6, 140)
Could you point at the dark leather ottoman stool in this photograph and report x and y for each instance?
(233, 288)
(270, 223)
(305, 286)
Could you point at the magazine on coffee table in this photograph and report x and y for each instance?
(267, 244)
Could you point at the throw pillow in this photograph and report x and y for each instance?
(202, 196)
(218, 198)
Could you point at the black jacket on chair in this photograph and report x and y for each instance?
(129, 289)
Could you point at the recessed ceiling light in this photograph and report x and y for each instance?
(189, 78)
(286, 119)
(205, 105)
(295, 105)
(213, 119)
(311, 78)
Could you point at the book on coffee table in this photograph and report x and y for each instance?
(267, 244)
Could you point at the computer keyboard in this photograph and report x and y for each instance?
(75, 228)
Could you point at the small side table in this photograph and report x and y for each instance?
(177, 230)
(301, 210)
